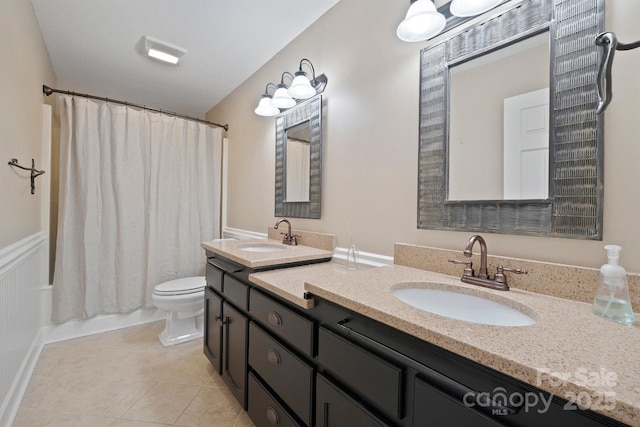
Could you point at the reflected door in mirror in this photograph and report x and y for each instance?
(526, 146)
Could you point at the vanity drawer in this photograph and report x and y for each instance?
(214, 277)
(264, 409)
(236, 292)
(370, 376)
(290, 377)
(294, 328)
(216, 267)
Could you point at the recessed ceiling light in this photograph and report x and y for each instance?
(162, 51)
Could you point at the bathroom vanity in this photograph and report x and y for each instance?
(309, 346)
(227, 312)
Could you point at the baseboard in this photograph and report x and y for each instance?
(98, 324)
(10, 406)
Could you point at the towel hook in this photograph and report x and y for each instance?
(610, 43)
(34, 172)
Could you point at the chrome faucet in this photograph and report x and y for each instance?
(499, 281)
(289, 239)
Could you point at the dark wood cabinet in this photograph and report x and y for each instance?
(234, 353)
(328, 366)
(288, 375)
(435, 408)
(227, 326)
(334, 408)
(378, 380)
(264, 408)
(212, 339)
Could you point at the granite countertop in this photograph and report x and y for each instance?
(235, 250)
(568, 352)
(289, 283)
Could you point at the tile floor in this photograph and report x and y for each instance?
(126, 378)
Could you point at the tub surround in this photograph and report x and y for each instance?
(567, 338)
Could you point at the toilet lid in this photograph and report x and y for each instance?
(185, 285)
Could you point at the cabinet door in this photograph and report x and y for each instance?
(213, 329)
(432, 407)
(234, 354)
(334, 408)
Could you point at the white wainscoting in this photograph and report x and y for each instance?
(236, 233)
(23, 272)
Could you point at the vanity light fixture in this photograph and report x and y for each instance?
(162, 51)
(464, 8)
(265, 106)
(421, 22)
(301, 87)
(284, 97)
(281, 98)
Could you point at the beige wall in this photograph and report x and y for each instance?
(371, 141)
(24, 68)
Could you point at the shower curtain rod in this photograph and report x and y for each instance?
(48, 91)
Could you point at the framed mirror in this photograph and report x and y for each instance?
(299, 160)
(506, 146)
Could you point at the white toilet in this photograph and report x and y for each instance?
(183, 300)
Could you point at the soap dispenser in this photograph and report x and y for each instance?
(612, 298)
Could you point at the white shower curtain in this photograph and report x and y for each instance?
(139, 191)
(298, 166)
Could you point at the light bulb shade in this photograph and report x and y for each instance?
(464, 8)
(421, 23)
(301, 87)
(281, 98)
(266, 108)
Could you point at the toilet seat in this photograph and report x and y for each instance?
(183, 286)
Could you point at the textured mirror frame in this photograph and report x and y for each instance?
(574, 208)
(310, 110)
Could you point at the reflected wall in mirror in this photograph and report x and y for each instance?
(501, 123)
(299, 160)
(573, 205)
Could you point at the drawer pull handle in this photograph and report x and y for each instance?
(274, 318)
(272, 416)
(273, 357)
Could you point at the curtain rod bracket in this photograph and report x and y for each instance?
(34, 172)
(48, 91)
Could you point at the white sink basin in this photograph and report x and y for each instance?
(461, 306)
(260, 247)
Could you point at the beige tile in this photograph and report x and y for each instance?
(41, 418)
(212, 407)
(114, 398)
(163, 403)
(194, 370)
(244, 420)
(130, 423)
(216, 381)
(58, 392)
